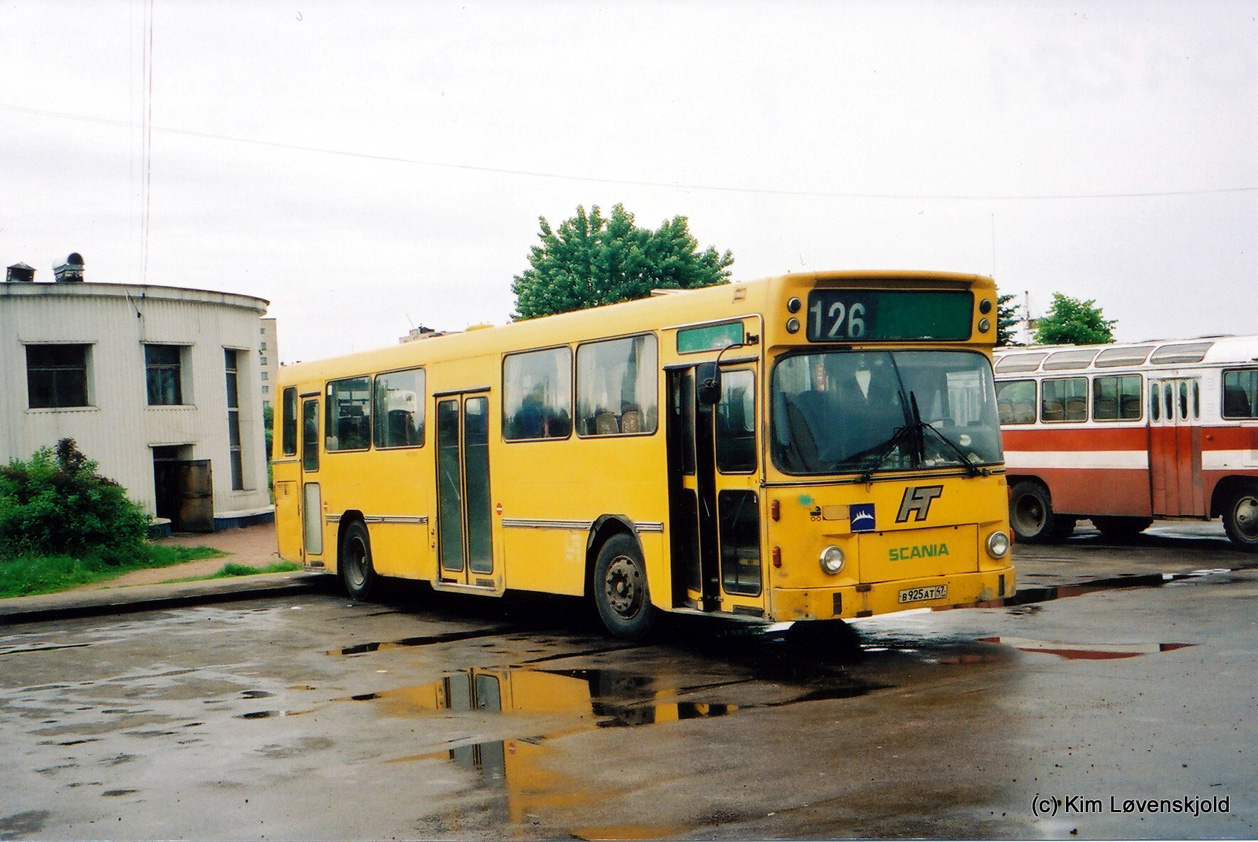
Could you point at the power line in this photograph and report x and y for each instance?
(671, 185)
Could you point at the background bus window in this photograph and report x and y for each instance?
(1116, 398)
(288, 423)
(348, 424)
(736, 423)
(1065, 400)
(1155, 401)
(399, 408)
(1015, 400)
(616, 387)
(537, 395)
(1240, 393)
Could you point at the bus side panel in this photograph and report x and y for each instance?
(562, 489)
(1087, 471)
(389, 488)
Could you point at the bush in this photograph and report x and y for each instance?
(57, 504)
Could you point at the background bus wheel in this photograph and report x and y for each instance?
(620, 589)
(1240, 518)
(357, 574)
(1121, 528)
(1031, 515)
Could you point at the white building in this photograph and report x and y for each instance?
(159, 385)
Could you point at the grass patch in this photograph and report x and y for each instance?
(231, 570)
(31, 575)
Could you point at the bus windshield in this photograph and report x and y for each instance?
(871, 411)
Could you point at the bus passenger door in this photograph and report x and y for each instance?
(464, 519)
(714, 502)
(1175, 447)
(311, 508)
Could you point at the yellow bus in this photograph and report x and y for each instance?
(809, 447)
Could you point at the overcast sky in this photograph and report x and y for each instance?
(372, 166)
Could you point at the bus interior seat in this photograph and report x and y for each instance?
(1024, 413)
(605, 424)
(1106, 408)
(1052, 411)
(1076, 409)
(1235, 404)
(1006, 412)
(631, 420)
(1130, 406)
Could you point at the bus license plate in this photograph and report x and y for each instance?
(920, 594)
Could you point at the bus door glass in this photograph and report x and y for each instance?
(311, 498)
(713, 497)
(464, 541)
(1175, 447)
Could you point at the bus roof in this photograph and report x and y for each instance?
(706, 304)
(1205, 350)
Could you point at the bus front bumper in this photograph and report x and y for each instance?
(987, 588)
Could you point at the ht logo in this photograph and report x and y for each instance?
(917, 501)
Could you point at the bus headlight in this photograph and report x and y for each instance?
(832, 560)
(997, 544)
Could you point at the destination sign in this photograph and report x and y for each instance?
(884, 315)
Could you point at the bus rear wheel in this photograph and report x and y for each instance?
(1240, 518)
(1032, 517)
(357, 573)
(1118, 528)
(620, 589)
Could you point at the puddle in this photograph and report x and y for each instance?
(424, 640)
(1027, 596)
(1085, 651)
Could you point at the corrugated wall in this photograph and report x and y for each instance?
(120, 428)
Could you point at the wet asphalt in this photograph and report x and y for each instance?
(1110, 698)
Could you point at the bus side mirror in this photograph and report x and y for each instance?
(708, 378)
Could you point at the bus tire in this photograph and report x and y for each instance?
(1031, 515)
(1120, 529)
(1240, 518)
(620, 589)
(354, 561)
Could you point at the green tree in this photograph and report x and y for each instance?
(591, 260)
(57, 503)
(1073, 322)
(1007, 320)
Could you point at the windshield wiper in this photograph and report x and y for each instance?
(912, 430)
(971, 468)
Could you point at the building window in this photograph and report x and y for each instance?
(56, 376)
(262, 361)
(233, 421)
(162, 369)
(262, 347)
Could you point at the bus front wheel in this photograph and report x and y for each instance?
(1032, 517)
(357, 573)
(620, 589)
(1240, 518)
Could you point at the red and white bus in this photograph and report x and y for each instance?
(1122, 434)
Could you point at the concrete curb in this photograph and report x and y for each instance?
(127, 600)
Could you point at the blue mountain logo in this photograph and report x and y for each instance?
(862, 517)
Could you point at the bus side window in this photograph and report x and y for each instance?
(288, 422)
(1155, 401)
(1240, 393)
(1015, 400)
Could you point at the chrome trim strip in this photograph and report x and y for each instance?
(417, 520)
(542, 523)
(572, 525)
